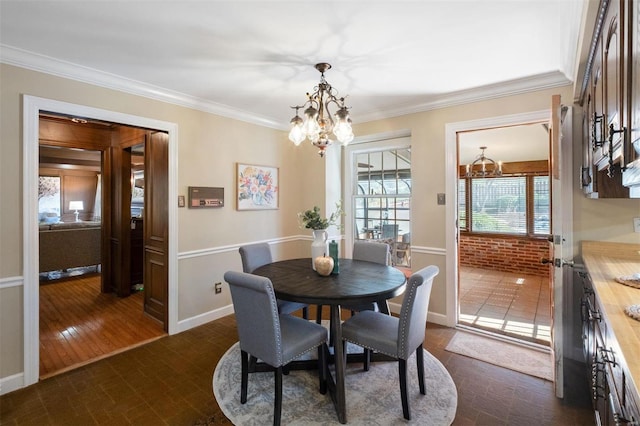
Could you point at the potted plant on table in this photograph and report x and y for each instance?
(311, 219)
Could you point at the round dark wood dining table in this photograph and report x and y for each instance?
(357, 282)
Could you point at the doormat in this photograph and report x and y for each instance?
(503, 354)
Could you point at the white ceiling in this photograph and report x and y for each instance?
(528, 142)
(252, 60)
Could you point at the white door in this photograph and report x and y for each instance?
(561, 243)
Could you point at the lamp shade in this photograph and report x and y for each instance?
(76, 205)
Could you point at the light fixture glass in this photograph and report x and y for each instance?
(484, 166)
(76, 205)
(318, 123)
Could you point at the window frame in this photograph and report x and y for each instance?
(529, 207)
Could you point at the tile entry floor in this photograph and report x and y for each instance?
(506, 303)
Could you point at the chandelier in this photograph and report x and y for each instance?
(484, 166)
(318, 122)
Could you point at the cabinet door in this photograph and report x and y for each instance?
(631, 176)
(613, 81)
(634, 82)
(596, 112)
(586, 177)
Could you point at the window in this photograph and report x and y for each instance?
(517, 205)
(49, 198)
(382, 200)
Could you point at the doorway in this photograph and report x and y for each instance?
(85, 314)
(32, 107)
(504, 213)
(454, 170)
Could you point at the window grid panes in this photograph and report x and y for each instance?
(49, 198)
(501, 205)
(382, 203)
(462, 204)
(541, 205)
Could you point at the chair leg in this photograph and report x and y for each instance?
(252, 363)
(244, 376)
(367, 359)
(322, 367)
(277, 405)
(402, 372)
(420, 365)
(305, 313)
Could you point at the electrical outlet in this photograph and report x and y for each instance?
(217, 288)
(636, 224)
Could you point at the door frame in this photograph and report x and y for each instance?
(451, 188)
(32, 106)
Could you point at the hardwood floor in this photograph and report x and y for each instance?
(168, 382)
(78, 324)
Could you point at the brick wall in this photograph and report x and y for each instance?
(508, 254)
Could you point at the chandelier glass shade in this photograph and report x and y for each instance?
(319, 123)
(484, 166)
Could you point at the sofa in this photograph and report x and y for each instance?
(69, 245)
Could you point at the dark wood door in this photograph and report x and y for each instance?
(119, 267)
(156, 226)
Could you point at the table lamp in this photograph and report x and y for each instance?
(76, 205)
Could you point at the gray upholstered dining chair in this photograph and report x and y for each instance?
(397, 337)
(272, 337)
(371, 252)
(256, 255)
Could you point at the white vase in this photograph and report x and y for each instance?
(319, 245)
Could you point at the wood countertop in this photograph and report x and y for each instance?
(605, 261)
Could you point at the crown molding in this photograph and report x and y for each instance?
(48, 65)
(498, 90)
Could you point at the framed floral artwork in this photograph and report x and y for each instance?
(257, 187)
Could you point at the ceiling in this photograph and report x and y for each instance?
(252, 60)
(527, 142)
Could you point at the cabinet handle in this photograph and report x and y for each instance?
(607, 355)
(612, 132)
(597, 120)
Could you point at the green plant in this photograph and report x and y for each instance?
(311, 219)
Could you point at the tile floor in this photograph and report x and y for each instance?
(507, 303)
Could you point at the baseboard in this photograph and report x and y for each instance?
(11, 383)
(436, 318)
(204, 318)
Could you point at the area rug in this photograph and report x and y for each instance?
(373, 397)
(508, 355)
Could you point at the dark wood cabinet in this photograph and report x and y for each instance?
(631, 176)
(609, 102)
(613, 85)
(612, 393)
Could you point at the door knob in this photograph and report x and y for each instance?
(557, 262)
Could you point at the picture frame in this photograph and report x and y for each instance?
(257, 187)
